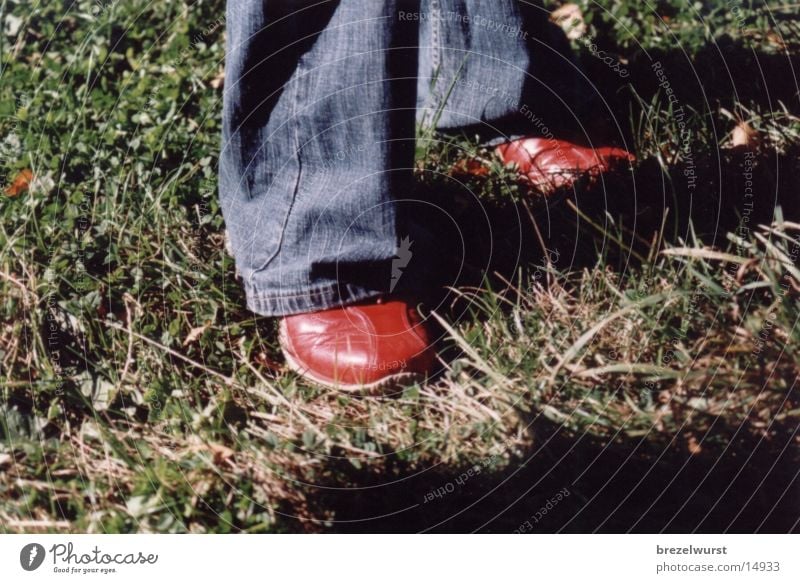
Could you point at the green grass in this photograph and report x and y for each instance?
(138, 394)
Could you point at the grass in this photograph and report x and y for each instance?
(647, 362)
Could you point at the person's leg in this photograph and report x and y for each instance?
(497, 69)
(318, 146)
(318, 140)
(490, 66)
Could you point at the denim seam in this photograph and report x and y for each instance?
(436, 42)
(299, 74)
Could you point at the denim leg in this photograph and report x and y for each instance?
(318, 127)
(494, 68)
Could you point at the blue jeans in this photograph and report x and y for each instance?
(321, 103)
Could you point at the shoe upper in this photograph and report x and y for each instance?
(550, 163)
(358, 345)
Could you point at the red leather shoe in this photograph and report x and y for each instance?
(361, 348)
(549, 164)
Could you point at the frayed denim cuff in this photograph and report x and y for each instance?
(289, 302)
(496, 141)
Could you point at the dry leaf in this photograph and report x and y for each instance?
(20, 184)
(570, 18)
(220, 453)
(218, 80)
(469, 167)
(776, 40)
(265, 361)
(196, 333)
(743, 136)
(693, 446)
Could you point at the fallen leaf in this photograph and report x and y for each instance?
(743, 136)
(220, 453)
(265, 361)
(693, 446)
(469, 167)
(20, 184)
(219, 80)
(570, 18)
(196, 333)
(776, 40)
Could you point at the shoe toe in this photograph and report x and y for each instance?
(358, 345)
(551, 164)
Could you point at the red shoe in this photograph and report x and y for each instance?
(362, 348)
(549, 164)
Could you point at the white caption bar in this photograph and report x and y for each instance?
(390, 558)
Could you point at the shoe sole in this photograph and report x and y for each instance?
(396, 381)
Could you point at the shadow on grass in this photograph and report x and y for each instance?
(623, 486)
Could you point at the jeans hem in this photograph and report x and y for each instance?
(490, 143)
(324, 297)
